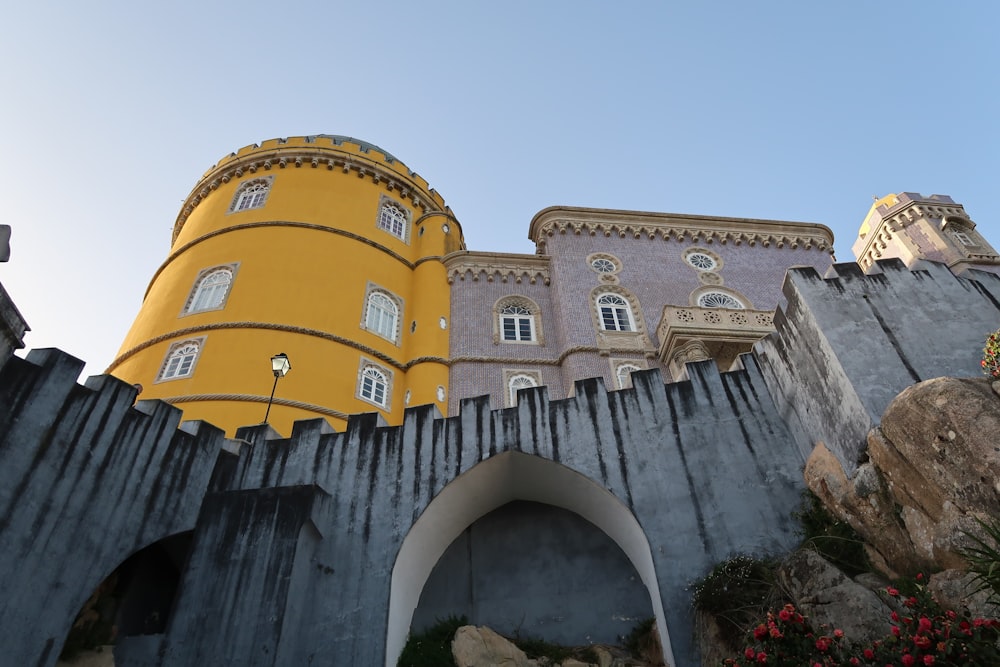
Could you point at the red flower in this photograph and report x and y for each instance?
(922, 641)
(924, 625)
(762, 657)
(891, 591)
(784, 614)
(894, 616)
(855, 661)
(749, 653)
(928, 659)
(838, 633)
(907, 660)
(822, 644)
(869, 654)
(920, 576)
(895, 630)
(759, 632)
(911, 602)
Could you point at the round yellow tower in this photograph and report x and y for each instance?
(325, 248)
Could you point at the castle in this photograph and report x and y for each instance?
(556, 443)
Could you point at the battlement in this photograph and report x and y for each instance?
(326, 151)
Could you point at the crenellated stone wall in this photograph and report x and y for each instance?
(848, 343)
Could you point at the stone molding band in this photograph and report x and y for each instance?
(253, 398)
(217, 326)
(558, 361)
(288, 223)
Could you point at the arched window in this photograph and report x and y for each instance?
(210, 290)
(180, 360)
(251, 194)
(518, 381)
(517, 323)
(382, 315)
(374, 386)
(392, 218)
(614, 313)
(624, 375)
(719, 300)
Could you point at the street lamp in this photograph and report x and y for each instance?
(279, 366)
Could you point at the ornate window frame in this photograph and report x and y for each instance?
(698, 294)
(371, 376)
(609, 340)
(514, 379)
(713, 257)
(601, 316)
(620, 365)
(535, 322)
(245, 200)
(372, 291)
(180, 360)
(395, 225)
(199, 292)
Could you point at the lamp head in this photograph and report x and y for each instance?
(280, 365)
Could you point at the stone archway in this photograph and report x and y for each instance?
(489, 485)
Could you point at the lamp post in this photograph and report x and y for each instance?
(279, 366)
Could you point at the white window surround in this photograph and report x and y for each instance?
(251, 194)
(964, 238)
(180, 360)
(382, 313)
(718, 299)
(517, 319)
(604, 263)
(702, 259)
(374, 384)
(211, 289)
(393, 218)
(614, 312)
(515, 380)
(623, 374)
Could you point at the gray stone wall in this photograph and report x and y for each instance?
(847, 344)
(86, 479)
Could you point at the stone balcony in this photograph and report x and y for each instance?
(691, 333)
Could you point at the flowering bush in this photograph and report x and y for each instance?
(991, 355)
(923, 635)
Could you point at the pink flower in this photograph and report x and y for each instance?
(891, 591)
(907, 660)
(924, 625)
(838, 633)
(895, 630)
(928, 659)
(869, 654)
(920, 576)
(822, 644)
(784, 614)
(749, 653)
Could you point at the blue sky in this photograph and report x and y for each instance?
(783, 110)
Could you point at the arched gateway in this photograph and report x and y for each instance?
(489, 485)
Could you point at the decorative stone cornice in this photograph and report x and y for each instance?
(494, 265)
(680, 227)
(338, 155)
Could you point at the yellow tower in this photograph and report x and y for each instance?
(325, 248)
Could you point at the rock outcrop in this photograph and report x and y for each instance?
(931, 475)
(478, 647)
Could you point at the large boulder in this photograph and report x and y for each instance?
(482, 647)
(932, 474)
(831, 600)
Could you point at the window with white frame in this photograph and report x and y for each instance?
(963, 238)
(517, 323)
(374, 385)
(614, 313)
(180, 360)
(623, 374)
(251, 194)
(516, 382)
(210, 290)
(393, 218)
(382, 315)
(719, 300)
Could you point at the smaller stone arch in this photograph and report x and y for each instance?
(517, 307)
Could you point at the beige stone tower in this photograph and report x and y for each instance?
(912, 227)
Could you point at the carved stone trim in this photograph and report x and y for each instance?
(335, 160)
(680, 227)
(271, 326)
(720, 331)
(253, 398)
(494, 265)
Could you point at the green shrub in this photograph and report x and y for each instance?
(432, 647)
(991, 355)
(834, 540)
(736, 593)
(634, 641)
(984, 558)
(539, 648)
